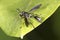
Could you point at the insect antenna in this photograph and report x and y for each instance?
(18, 10)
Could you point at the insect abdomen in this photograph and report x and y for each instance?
(38, 18)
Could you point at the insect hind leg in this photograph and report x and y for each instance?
(31, 24)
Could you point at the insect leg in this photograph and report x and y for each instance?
(37, 17)
(26, 22)
(31, 24)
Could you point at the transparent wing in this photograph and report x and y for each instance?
(35, 7)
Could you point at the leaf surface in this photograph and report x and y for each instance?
(13, 25)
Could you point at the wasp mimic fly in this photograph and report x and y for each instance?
(28, 15)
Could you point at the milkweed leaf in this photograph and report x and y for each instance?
(13, 25)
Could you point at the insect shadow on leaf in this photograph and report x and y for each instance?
(27, 15)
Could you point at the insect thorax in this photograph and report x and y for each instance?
(25, 14)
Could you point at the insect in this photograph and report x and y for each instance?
(28, 15)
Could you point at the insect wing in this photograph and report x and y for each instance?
(36, 7)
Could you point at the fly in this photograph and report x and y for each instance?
(28, 15)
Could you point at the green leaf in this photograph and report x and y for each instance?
(13, 25)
